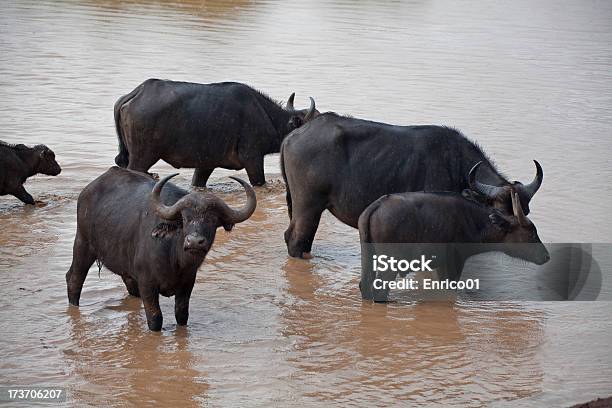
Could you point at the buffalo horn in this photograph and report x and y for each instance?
(311, 111)
(486, 189)
(231, 216)
(517, 209)
(290, 102)
(530, 189)
(168, 213)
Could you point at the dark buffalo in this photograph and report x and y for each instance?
(155, 238)
(343, 164)
(441, 218)
(18, 162)
(202, 126)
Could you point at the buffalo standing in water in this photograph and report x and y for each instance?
(202, 126)
(440, 218)
(155, 238)
(343, 164)
(18, 162)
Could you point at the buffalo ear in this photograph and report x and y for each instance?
(228, 227)
(500, 221)
(165, 230)
(295, 122)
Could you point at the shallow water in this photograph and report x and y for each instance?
(526, 80)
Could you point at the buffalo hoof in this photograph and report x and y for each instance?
(155, 321)
(307, 255)
(73, 298)
(382, 298)
(155, 324)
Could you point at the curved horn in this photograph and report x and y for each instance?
(311, 110)
(532, 188)
(290, 102)
(231, 216)
(517, 209)
(168, 213)
(486, 189)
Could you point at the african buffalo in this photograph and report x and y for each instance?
(155, 238)
(18, 162)
(202, 126)
(343, 164)
(441, 218)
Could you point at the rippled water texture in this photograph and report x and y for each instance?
(524, 79)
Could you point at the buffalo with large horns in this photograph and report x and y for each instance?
(203, 126)
(343, 164)
(154, 235)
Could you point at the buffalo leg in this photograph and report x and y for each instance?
(382, 295)
(82, 259)
(23, 195)
(181, 306)
(150, 300)
(255, 171)
(200, 177)
(302, 229)
(131, 285)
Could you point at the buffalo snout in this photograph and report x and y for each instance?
(542, 256)
(195, 243)
(54, 170)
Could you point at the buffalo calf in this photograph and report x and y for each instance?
(154, 235)
(442, 218)
(19, 162)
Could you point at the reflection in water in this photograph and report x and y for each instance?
(520, 78)
(424, 352)
(141, 368)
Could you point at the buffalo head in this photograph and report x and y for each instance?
(300, 116)
(46, 161)
(518, 229)
(500, 197)
(196, 216)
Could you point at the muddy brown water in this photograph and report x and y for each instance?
(525, 79)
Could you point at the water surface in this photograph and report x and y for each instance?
(524, 79)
